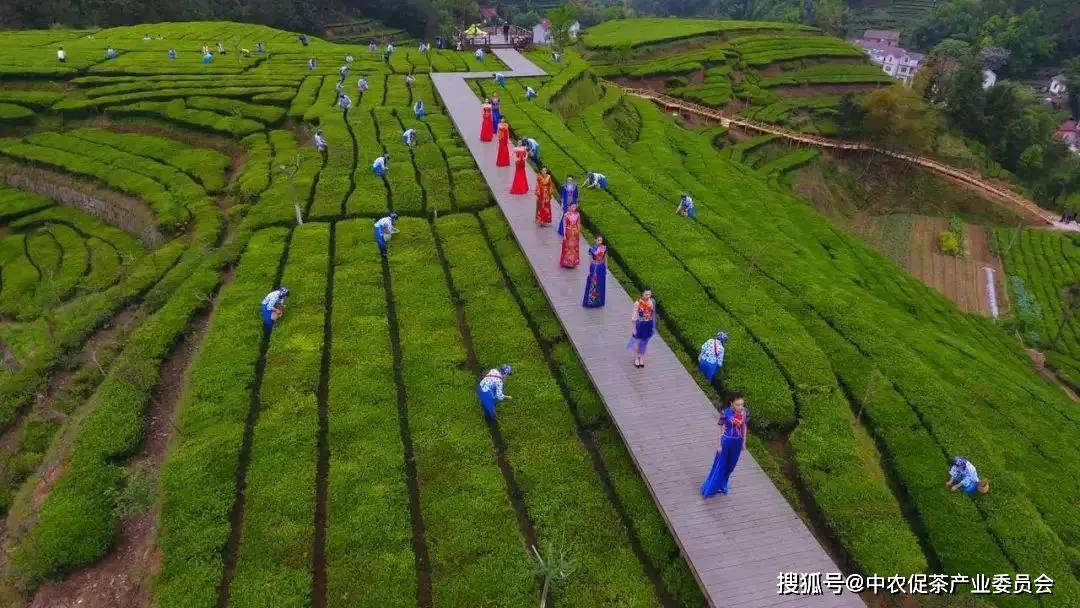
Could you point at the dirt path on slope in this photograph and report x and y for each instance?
(122, 578)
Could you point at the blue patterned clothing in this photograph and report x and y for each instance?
(493, 381)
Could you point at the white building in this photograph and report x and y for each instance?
(989, 79)
(541, 32)
(1057, 86)
(882, 48)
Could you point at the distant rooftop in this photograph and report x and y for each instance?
(882, 35)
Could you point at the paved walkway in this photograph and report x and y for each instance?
(737, 544)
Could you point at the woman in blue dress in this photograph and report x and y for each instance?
(569, 195)
(644, 319)
(595, 284)
(733, 433)
(490, 389)
(496, 113)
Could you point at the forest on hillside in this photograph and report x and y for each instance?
(1033, 33)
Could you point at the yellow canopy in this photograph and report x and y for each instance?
(475, 30)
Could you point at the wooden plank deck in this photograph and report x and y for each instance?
(736, 545)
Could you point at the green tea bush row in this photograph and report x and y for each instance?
(470, 190)
(763, 50)
(77, 106)
(31, 98)
(254, 178)
(481, 558)
(650, 30)
(176, 111)
(563, 494)
(116, 169)
(205, 165)
(278, 527)
(276, 205)
(17, 203)
(270, 115)
(370, 560)
(72, 324)
(648, 524)
(829, 73)
(26, 272)
(336, 178)
(76, 523)
(14, 114)
(198, 479)
(305, 96)
(405, 190)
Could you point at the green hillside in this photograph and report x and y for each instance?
(773, 72)
(342, 460)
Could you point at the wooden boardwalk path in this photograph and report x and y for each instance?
(736, 545)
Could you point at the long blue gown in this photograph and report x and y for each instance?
(595, 284)
(569, 196)
(731, 447)
(496, 114)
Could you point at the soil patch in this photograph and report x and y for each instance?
(122, 579)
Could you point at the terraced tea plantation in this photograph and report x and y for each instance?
(774, 72)
(150, 203)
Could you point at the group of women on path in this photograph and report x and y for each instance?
(735, 416)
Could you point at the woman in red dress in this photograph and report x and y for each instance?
(503, 159)
(521, 183)
(485, 123)
(544, 188)
(571, 242)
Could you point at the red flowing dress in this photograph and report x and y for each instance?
(544, 187)
(485, 124)
(521, 183)
(571, 242)
(503, 159)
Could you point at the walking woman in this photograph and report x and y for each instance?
(571, 242)
(595, 285)
(496, 111)
(503, 135)
(521, 182)
(486, 131)
(544, 187)
(733, 433)
(569, 195)
(644, 319)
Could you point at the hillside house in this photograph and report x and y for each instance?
(542, 31)
(882, 47)
(489, 14)
(882, 37)
(1069, 134)
(989, 79)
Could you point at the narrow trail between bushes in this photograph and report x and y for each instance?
(667, 422)
(122, 579)
(994, 190)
